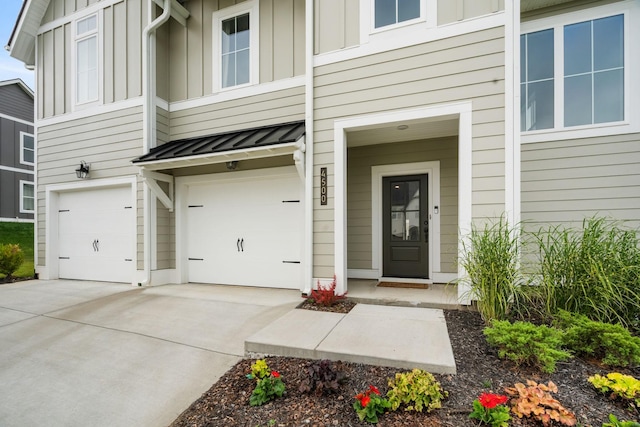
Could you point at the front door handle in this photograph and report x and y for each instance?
(426, 231)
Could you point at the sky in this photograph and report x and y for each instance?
(11, 68)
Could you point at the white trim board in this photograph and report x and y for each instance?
(432, 169)
(463, 110)
(16, 170)
(15, 119)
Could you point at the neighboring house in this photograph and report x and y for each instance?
(279, 142)
(17, 152)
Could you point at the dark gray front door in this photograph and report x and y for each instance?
(405, 226)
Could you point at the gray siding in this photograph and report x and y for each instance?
(337, 22)
(467, 67)
(567, 181)
(121, 43)
(360, 161)
(10, 157)
(190, 61)
(15, 102)
(451, 11)
(260, 110)
(108, 142)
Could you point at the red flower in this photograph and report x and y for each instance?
(275, 374)
(490, 401)
(365, 401)
(374, 389)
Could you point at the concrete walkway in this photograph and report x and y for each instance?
(401, 337)
(77, 353)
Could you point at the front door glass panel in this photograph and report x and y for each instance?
(405, 211)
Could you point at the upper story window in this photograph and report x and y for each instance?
(390, 12)
(27, 148)
(575, 71)
(236, 49)
(236, 46)
(27, 197)
(86, 60)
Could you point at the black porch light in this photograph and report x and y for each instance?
(83, 170)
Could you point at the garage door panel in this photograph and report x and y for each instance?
(260, 214)
(95, 235)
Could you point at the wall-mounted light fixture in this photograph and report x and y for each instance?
(232, 165)
(83, 170)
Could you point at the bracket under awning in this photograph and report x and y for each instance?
(151, 179)
(178, 12)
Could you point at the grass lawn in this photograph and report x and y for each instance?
(20, 233)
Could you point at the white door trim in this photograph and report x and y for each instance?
(181, 188)
(432, 170)
(462, 110)
(52, 194)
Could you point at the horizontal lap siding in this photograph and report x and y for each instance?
(259, 110)
(359, 215)
(108, 142)
(466, 67)
(567, 181)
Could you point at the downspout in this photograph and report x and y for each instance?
(148, 122)
(308, 108)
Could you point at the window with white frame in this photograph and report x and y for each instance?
(390, 12)
(236, 46)
(27, 197)
(572, 73)
(86, 60)
(27, 148)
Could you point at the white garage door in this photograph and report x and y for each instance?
(95, 235)
(246, 232)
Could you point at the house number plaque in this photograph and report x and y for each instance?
(323, 186)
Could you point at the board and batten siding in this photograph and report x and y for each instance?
(120, 40)
(259, 110)
(337, 22)
(359, 215)
(564, 182)
(461, 68)
(108, 142)
(190, 59)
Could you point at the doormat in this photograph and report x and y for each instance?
(403, 285)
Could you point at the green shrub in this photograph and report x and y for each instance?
(490, 259)
(594, 271)
(613, 344)
(11, 258)
(417, 389)
(527, 344)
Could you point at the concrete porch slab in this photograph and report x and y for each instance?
(401, 337)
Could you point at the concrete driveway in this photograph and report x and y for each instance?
(75, 353)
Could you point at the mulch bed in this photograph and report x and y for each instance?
(478, 367)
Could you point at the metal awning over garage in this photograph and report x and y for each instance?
(266, 141)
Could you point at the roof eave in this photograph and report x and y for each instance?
(21, 44)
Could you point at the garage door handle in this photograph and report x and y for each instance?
(242, 245)
(238, 245)
(96, 245)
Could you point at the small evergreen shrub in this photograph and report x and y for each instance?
(11, 258)
(527, 344)
(323, 378)
(417, 390)
(613, 344)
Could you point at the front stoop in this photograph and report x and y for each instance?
(399, 337)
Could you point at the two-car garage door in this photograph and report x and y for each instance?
(95, 235)
(245, 232)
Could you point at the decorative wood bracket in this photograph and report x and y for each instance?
(151, 179)
(299, 157)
